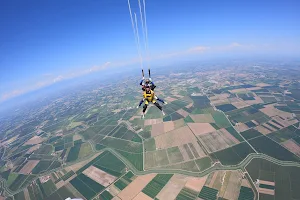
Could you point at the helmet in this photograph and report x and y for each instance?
(147, 81)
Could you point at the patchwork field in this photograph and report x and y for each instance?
(99, 176)
(201, 128)
(29, 166)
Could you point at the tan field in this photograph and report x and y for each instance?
(292, 146)
(203, 118)
(114, 190)
(142, 196)
(195, 183)
(215, 141)
(270, 127)
(173, 187)
(242, 127)
(274, 124)
(233, 185)
(32, 149)
(271, 111)
(26, 194)
(190, 105)
(266, 191)
(134, 117)
(152, 121)
(201, 128)
(29, 166)
(179, 123)
(135, 187)
(116, 198)
(239, 104)
(157, 129)
(238, 90)
(78, 165)
(170, 99)
(168, 126)
(10, 140)
(262, 84)
(34, 140)
(173, 138)
(254, 88)
(182, 112)
(245, 183)
(60, 184)
(262, 130)
(184, 153)
(77, 137)
(229, 136)
(286, 122)
(99, 176)
(220, 102)
(267, 182)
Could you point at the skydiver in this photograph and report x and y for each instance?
(149, 82)
(149, 96)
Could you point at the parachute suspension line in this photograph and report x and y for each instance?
(146, 32)
(135, 32)
(143, 27)
(138, 39)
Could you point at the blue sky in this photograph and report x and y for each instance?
(42, 42)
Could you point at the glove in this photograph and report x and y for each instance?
(143, 78)
(137, 106)
(150, 79)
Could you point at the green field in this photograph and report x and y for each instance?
(124, 181)
(19, 196)
(74, 152)
(156, 158)
(284, 134)
(208, 193)
(122, 145)
(149, 144)
(92, 162)
(226, 107)
(42, 166)
(221, 120)
(34, 192)
(186, 194)
(105, 196)
(174, 155)
(287, 179)
(188, 166)
(136, 159)
(61, 194)
(267, 146)
(188, 119)
(156, 184)
(85, 150)
(44, 149)
(246, 194)
(111, 164)
(49, 187)
(67, 175)
(233, 155)
(251, 133)
(203, 163)
(235, 134)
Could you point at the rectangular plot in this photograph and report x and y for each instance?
(110, 161)
(42, 166)
(194, 151)
(156, 184)
(186, 194)
(82, 188)
(49, 187)
(174, 155)
(29, 166)
(124, 145)
(188, 151)
(99, 176)
(73, 154)
(96, 187)
(156, 158)
(208, 193)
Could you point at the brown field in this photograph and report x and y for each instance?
(292, 146)
(135, 187)
(262, 84)
(32, 149)
(182, 112)
(239, 104)
(242, 127)
(245, 183)
(173, 187)
(99, 176)
(229, 136)
(220, 102)
(142, 196)
(203, 118)
(157, 129)
(195, 183)
(170, 99)
(271, 111)
(262, 130)
(152, 121)
(10, 140)
(77, 137)
(61, 183)
(215, 141)
(274, 124)
(266, 191)
(178, 96)
(219, 96)
(267, 182)
(286, 122)
(270, 127)
(34, 140)
(190, 105)
(116, 198)
(254, 88)
(168, 126)
(29, 166)
(184, 153)
(179, 123)
(238, 90)
(26, 194)
(201, 128)
(78, 165)
(173, 138)
(232, 187)
(134, 117)
(114, 190)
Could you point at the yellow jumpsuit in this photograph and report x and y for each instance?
(149, 97)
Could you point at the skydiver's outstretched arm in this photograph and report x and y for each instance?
(141, 82)
(141, 102)
(161, 100)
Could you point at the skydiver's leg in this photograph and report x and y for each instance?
(144, 109)
(158, 99)
(159, 107)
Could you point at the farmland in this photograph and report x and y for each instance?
(156, 184)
